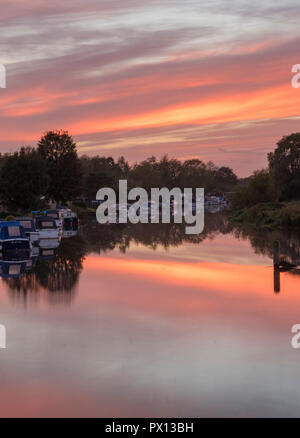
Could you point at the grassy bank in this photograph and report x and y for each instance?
(271, 215)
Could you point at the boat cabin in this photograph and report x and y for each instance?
(45, 223)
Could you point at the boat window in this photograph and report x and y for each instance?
(14, 269)
(47, 224)
(13, 231)
(26, 224)
(48, 252)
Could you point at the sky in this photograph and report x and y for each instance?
(191, 79)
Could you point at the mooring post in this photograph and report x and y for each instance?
(276, 264)
(276, 254)
(276, 280)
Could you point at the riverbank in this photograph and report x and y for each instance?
(271, 215)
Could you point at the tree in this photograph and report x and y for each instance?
(226, 179)
(102, 172)
(23, 180)
(146, 174)
(95, 181)
(261, 188)
(170, 171)
(58, 150)
(284, 163)
(193, 174)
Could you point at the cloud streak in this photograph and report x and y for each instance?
(137, 77)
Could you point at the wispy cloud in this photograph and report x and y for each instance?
(136, 77)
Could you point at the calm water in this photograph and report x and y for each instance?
(145, 321)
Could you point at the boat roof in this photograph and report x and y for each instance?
(41, 219)
(27, 223)
(24, 218)
(10, 224)
(45, 218)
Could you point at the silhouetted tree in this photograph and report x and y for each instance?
(58, 150)
(226, 179)
(261, 188)
(24, 179)
(284, 163)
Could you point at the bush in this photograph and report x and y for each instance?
(261, 188)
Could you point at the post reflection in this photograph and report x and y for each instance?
(54, 267)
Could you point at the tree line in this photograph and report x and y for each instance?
(30, 177)
(280, 181)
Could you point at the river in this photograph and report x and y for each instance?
(144, 321)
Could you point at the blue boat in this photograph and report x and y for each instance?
(14, 244)
(70, 224)
(29, 227)
(12, 269)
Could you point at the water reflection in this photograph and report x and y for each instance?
(161, 324)
(55, 265)
(283, 247)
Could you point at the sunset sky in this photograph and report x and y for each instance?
(192, 78)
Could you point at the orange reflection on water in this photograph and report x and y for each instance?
(226, 277)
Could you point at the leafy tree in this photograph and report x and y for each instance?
(194, 174)
(95, 181)
(146, 174)
(23, 180)
(226, 179)
(284, 163)
(58, 150)
(170, 170)
(261, 188)
(123, 167)
(102, 172)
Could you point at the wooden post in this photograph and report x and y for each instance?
(276, 264)
(276, 254)
(276, 281)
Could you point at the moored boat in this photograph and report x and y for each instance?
(57, 216)
(69, 219)
(13, 241)
(47, 228)
(29, 227)
(12, 269)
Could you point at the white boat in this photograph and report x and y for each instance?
(49, 243)
(57, 216)
(47, 228)
(47, 253)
